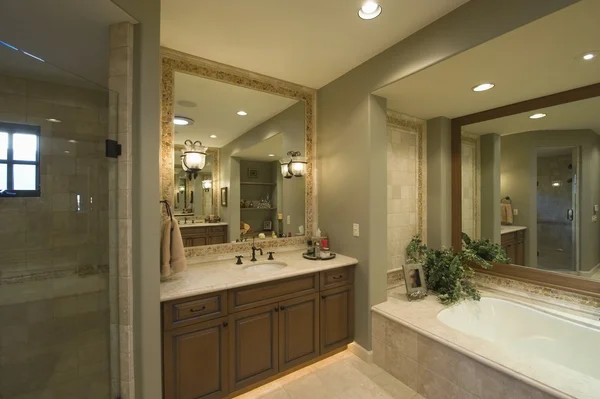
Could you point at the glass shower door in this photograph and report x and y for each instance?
(557, 192)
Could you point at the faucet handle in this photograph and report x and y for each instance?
(271, 256)
(239, 259)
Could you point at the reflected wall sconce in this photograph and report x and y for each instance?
(193, 158)
(294, 165)
(206, 185)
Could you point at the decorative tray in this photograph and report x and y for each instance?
(309, 257)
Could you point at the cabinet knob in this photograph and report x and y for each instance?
(276, 309)
(282, 308)
(225, 324)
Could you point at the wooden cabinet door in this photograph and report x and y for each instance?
(220, 239)
(336, 318)
(195, 361)
(511, 251)
(298, 331)
(253, 345)
(197, 241)
(519, 254)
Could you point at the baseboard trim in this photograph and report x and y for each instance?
(362, 353)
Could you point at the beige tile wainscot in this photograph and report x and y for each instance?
(229, 328)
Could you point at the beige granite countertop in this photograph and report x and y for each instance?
(553, 378)
(203, 277)
(200, 224)
(511, 229)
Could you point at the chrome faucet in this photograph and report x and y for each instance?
(254, 249)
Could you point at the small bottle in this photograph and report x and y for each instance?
(310, 251)
(325, 253)
(317, 249)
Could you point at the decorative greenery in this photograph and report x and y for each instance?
(486, 249)
(449, 273)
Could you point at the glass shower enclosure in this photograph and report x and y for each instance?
(557, 213)
(58, 299)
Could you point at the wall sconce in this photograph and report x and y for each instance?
(206, 185)
(193, 158)
(294, 165)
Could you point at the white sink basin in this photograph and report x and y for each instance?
(265, 266)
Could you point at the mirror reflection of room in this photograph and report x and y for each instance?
(249, 182)
(544, 166)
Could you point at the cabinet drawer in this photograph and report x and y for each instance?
(262, 294)
(336, 277)
(217, 230)
(185, 311)
(194, 232)
(508, 238)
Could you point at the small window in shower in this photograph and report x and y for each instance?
(19, 160)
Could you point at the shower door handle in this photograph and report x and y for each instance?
(570, 214)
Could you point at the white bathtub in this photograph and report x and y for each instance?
(529, 332)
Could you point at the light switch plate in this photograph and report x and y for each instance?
(355, 230)
(289, 219)
(515, 212)
(595, 208)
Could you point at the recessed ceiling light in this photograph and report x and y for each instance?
(72, 141)
(589, 56)
(483, 87)
(183, 121)
(537, 116)
(369, 10)
(242, 113)
(213, 136)
(271, 155)
(53, 120)
(187, 104)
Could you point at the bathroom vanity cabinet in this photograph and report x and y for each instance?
(203, 235)
(514, 245)
(218, 344)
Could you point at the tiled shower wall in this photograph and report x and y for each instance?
(54, 336)
(470, 185)
(554, 232)
(405, 139)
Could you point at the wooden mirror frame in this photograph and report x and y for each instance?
(174, 61)
(550, 279)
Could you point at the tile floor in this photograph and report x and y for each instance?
(342, 376)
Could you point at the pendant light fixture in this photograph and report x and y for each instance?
(193, 158)
(294, 165)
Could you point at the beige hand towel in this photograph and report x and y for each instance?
(172, 253)
(506, 214)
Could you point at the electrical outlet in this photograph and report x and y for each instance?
(594, 219)
(355, 230)
(515, 212)
(289, 219)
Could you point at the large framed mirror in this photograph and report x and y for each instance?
(254, 135)
(537, 164)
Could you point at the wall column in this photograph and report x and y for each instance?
(439, 183)
(490, 186)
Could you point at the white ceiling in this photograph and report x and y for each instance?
(260, 151)
(584, 114)
(71, 35)
(309, 42)
(537, 59)
(216, 109)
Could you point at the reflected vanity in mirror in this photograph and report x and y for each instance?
(537, 169)
(250, 139)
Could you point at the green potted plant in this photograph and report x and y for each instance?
(449, 274)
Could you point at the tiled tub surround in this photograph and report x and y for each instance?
(211, 275)
(440, 362)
